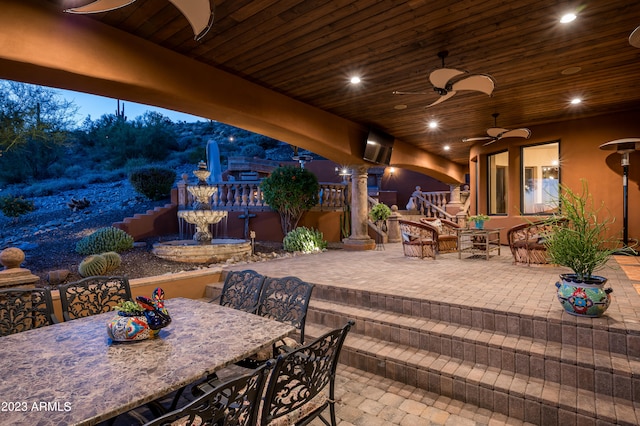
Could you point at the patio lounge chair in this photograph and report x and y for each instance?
(418, 239)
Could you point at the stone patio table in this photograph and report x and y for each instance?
(71, 373)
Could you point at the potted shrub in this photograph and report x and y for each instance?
(579, 241)
(479, 220)
(379, 213)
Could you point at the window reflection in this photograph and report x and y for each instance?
(540, 178)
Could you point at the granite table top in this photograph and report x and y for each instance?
(73, 374)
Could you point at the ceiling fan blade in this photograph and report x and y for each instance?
(496, 132)
(478, 139)
(479, 82)
(100, 6)
(198, 13)
(440, 77)
(401, 92)
(491, 141)
(516, 133)
(442, 99)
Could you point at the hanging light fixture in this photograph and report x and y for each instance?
(199, 13)
(624, 147)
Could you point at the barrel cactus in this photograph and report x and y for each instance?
(93, 265)
(104, 240)
(113, 260)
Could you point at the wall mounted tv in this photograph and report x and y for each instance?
(378, 147)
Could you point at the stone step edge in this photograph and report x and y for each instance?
(564, 328)
(413, 332)
(522, 397)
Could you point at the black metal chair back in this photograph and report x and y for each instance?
(23, 309)
(296, 385)
(93, 295)
(241, 290)
(286, 300)
(232, 403)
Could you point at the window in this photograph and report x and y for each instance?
(540, 178)
(498, 182)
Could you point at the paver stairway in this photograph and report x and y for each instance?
(544, 372)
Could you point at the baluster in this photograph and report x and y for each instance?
(245, 195)
(259, 199)
(238, 194)
(229, 195)
(215, 198)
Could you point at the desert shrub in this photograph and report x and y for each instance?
(154, 183)
(92, 266)
(305, 240)
(14, 206)
(104, 240)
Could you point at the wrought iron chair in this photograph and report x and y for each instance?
(296, 390)
(23, 309)
(285, 300)
(241, 290)
(93, 295)
(235, 402)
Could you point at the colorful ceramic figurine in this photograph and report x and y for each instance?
(141, 320)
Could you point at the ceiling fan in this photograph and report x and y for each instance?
(448, 81)
(496, 133)
(198, 12)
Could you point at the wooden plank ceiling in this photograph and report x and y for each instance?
(308, 50)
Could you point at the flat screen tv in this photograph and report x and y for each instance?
(378, 147)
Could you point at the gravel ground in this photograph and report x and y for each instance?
(49, 234)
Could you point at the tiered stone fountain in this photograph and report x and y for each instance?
(203, 248)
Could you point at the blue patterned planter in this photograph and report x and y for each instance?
(584, 298)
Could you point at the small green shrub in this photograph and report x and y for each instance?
(154, 183)
(104, 240)
(92, 266)
(305, 240)
(14, 206)
(380, 212)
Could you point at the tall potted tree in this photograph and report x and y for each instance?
(579, 241)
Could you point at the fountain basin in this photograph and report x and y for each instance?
(190, 251)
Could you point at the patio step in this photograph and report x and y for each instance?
(520, 396)
(517, 365)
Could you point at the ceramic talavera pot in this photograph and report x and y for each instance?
(146, 324)
(584, 298)
(126, 326)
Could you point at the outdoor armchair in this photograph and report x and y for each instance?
(23, 309)
(235, 402)
(418, 239)
(296, 389)
(527, 242)
(241, 290)
(447, 233)
(93, 295)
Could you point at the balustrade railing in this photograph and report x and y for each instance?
(240, 195)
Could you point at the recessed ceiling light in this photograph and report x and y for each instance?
(575, 101)
(567, 17)
(400, 106)
(433, 124)
(447, 147)
(355, 80)
(571, 70)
